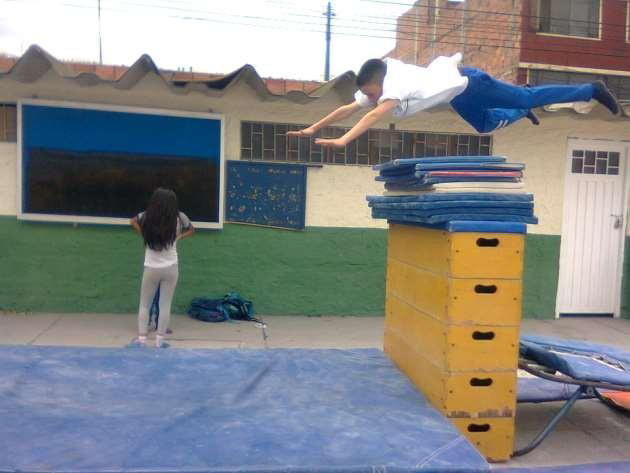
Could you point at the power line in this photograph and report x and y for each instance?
(396, 21)
(439, 27)
(291, 13)
(489, 12)
(400, 35)
(446, 26)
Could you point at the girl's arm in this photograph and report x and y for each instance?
(136, 226)
(188, 232)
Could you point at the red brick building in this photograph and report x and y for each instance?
(524, 41)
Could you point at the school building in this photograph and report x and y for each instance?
(577, 166)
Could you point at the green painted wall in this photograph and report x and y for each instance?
(59, 268)
(540, 278)
(321, 271)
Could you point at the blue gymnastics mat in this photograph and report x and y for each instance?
(531, 389)
(463, 226)
(451, 216)
(411, 162)
(452, 196)
(580, 360)
(93, 410)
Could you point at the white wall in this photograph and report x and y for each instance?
(336, 194)
(8, 160)
(544, 150)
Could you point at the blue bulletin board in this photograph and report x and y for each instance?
(266, 194)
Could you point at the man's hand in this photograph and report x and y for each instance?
(330, 143)
(305, 132)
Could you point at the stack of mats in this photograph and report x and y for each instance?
(456, 241)
(438, 190)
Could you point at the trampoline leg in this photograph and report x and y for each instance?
(552, 423)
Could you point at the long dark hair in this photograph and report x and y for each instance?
(159, 223)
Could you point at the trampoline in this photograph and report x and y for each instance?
(571, 370)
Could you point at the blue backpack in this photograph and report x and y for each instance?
(230, 307)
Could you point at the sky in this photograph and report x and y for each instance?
(280, 38)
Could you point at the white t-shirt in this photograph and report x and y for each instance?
(167, 256)
(418, 88)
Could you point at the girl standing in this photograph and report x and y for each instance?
(160, 225)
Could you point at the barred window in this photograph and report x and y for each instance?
(618, 85)
(8, 122)
(269, 142)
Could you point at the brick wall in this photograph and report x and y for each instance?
(487, 32)
(610, 51)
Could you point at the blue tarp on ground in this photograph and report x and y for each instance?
(612, 467)
(97, 409)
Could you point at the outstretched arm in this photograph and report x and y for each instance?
(339, 114)
(362, 126)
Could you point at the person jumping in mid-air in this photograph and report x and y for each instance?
(484, 102)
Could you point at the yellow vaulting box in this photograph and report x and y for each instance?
(453, 347)
(459, 255)
(453, 310)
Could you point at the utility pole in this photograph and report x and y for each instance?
(329, 14)
(100, 46)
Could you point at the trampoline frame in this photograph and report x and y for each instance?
(588, 388)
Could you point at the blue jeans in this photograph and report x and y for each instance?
(487, 104)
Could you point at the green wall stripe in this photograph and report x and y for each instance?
(320, 271)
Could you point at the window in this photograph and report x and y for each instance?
(618, 85)
(595, 162)
(569, 17)
(268, 142)
(8, 123)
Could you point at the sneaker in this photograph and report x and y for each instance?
(605, 97)
(137, 343)
(533, 118)
(160, 343)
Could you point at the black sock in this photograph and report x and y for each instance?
(532, 117)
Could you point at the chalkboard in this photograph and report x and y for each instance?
(266, 194)
(97, 164)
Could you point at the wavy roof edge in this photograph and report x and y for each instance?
(36, 62)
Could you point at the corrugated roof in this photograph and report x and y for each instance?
(36, 62)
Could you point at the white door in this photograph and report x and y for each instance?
(593, 228)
